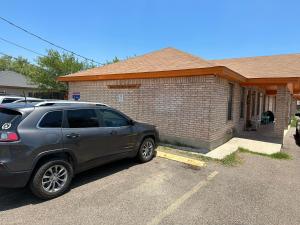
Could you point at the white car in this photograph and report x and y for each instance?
(4, 99)
(29, 100)
(13, 98)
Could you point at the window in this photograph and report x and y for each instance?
(9, 100)
(242, 106)
(230, 102)
(113, 119)
(9, 117)
(253, 103)
(51, 120)
(258, 103)
(82, 118)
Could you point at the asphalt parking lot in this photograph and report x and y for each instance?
(259, 191)
(119, 193)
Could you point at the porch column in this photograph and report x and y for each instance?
(293, 106)
(282, 111)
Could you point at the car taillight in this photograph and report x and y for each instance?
(8, 136)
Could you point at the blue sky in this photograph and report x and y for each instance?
(212, 29)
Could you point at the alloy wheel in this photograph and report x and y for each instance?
(55, 178)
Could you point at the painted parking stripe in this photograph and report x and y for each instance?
(178, 202)
(193, 162)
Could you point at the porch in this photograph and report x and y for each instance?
(264, 132)
(267, 111)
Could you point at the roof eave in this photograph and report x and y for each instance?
(221, 71)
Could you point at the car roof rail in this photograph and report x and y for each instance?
(66, 102)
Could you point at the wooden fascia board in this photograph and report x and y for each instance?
(216, 70)
(269, 81)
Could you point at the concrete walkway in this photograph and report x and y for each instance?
(252, 145)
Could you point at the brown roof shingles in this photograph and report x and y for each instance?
(170, 59)
(276, 66)
(166, 59)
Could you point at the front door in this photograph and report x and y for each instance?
(123, 134)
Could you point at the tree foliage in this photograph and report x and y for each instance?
(48, 68)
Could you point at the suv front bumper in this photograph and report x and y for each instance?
(13, 179)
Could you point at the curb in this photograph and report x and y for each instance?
(182, 159)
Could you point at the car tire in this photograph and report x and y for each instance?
(146, 151)
(58, 173)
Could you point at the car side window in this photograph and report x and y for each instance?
(51, 120)
(82, 118)
(113, 119)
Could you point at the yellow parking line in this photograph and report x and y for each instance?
(193, 162)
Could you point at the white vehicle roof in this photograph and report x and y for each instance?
(14, 98)
(29, 99)
(49, 102)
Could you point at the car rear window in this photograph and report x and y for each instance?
(9, 119)
(8, 100)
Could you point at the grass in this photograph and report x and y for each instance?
(231, 160)
(277, 155)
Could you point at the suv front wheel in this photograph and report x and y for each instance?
(146, 151)
(52, 179)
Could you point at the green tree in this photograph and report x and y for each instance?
(53, 65)
(48, 68)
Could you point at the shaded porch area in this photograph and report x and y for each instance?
(264, 132)
(268, 108)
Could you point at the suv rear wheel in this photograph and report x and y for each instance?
(146, 151)
(52, 179)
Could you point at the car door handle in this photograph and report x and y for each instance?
(72, 136)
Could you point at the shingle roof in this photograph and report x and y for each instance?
(162, 60)
(276, 66)
(13, 79)
(170, 61)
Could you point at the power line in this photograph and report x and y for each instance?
(1, 53)
(49, 42)
(20, 46)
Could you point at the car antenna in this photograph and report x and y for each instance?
(25, 99)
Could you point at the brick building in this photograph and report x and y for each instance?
(193, 101)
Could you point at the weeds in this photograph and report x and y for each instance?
(231, 160)
(277, 155)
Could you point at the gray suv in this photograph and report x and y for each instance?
(45, 146)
